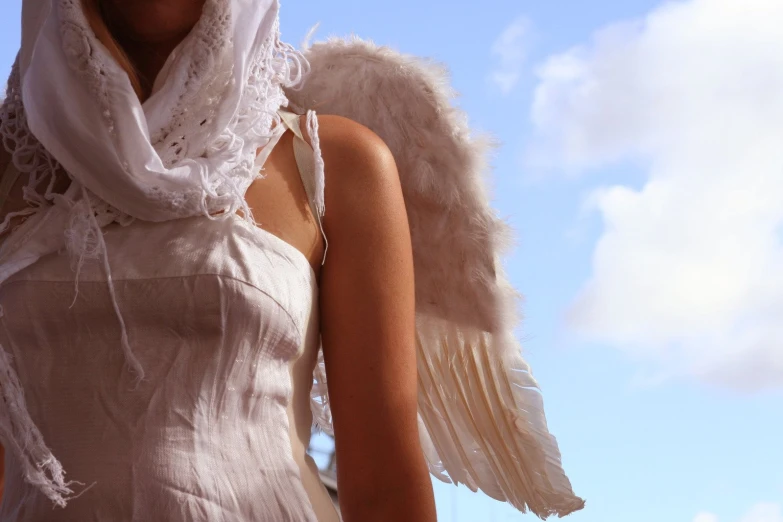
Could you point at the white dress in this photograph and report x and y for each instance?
(223, 317)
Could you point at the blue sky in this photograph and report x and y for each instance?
(641, 168)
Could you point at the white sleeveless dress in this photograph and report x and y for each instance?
(223, 317)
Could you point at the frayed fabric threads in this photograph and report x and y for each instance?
(101, 250)
(22, 438)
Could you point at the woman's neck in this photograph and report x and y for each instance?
(148, 46)
(148, 58)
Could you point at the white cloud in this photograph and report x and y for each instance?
(759, 513)
(764, 513)
(510, 51)
(689, 269)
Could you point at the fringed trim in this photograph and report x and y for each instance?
(28, 156)
(96, 232)
(484, 418)
(236, 150)
(22, 438)
(289, 63)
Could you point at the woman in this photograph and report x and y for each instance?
(166, 280)
(178, 446)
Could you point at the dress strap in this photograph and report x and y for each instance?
(312, 176)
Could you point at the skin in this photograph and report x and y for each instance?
(366, 284)
(148, 30)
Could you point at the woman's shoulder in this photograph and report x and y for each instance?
(349, 136)
(356, 159)
(365, 208)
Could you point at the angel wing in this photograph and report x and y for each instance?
(481, 417)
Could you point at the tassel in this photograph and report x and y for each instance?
(22, 438)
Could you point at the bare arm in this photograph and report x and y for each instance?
(367, 324)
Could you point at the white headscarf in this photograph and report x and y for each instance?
(192, 146)
(190, 149)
